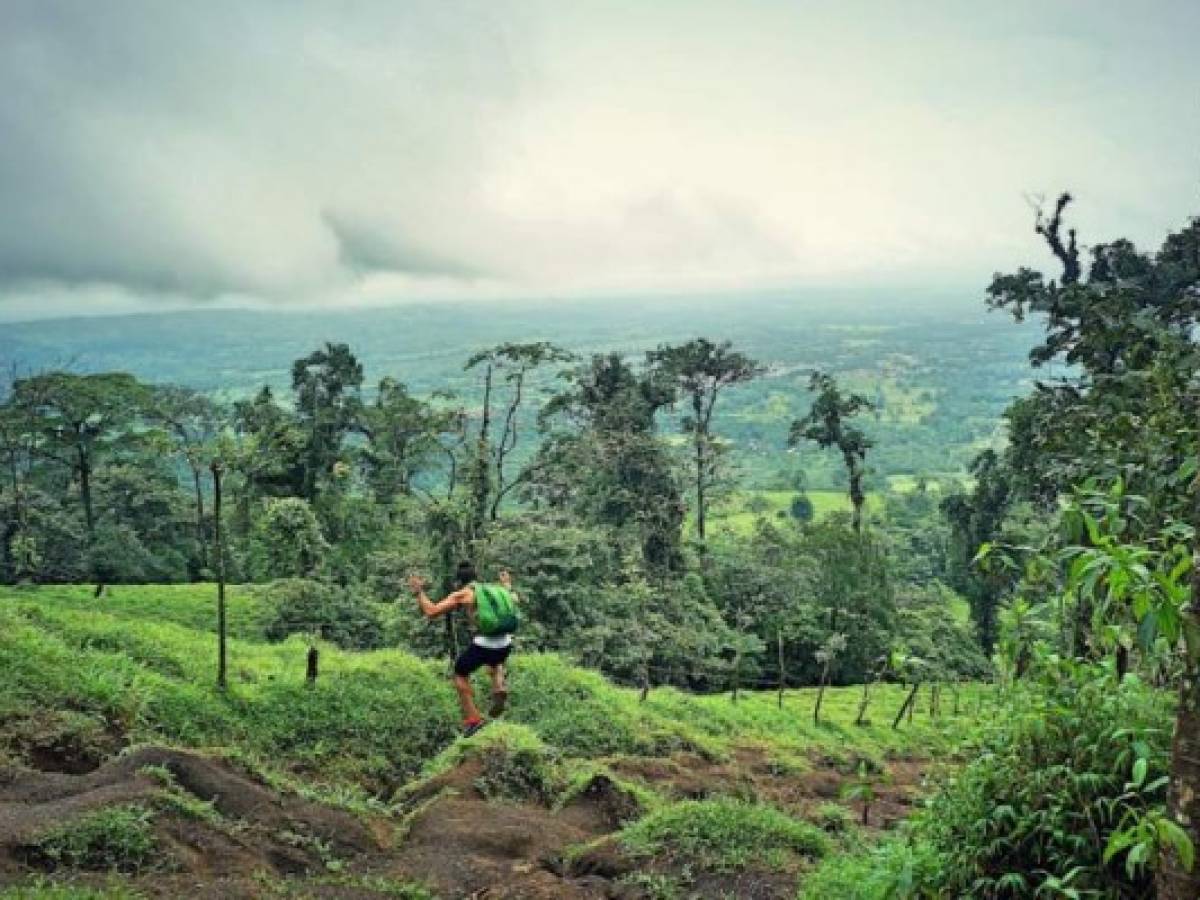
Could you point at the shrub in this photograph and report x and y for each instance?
(833, 818)
(723, 835)
(332, 613)
(287, 540)
(889, 871)
(1076, 759)
(119, 838)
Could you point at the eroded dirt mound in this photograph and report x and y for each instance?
(60, 741)
(200, 816)
(218, 831)
(750, 774)
(476, 848)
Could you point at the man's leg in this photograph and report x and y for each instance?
(499, 690)
(466, 698)
(467, 662)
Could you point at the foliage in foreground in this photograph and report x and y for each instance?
(1066, 789)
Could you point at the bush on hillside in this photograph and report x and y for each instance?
(929, 629)
(331, 613)
(118, 838)
(1076, 759)
(723, 835)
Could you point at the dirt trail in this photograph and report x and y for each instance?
(752, 775)
(445, 834)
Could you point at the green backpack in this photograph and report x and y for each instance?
(495, 610)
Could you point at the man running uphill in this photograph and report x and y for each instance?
(492, 611)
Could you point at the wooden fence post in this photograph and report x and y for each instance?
(909, 702)
(782, 673)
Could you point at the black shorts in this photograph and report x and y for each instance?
(475, 656)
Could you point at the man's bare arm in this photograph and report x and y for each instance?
(432, 610)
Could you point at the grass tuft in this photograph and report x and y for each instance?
(724, 835)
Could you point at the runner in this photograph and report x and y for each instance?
(491, 609)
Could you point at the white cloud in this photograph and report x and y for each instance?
(312, 152)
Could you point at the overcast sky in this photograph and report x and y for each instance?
(361, 152)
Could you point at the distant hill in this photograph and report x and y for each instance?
(941, 380)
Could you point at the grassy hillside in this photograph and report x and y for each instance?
(738, 514)
(86, 679)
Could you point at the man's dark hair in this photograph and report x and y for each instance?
(465, 573)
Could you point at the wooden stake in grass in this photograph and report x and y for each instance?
(909, 701)
(737, 674)
(835, 644)
(782, 673)
(864, 701)
(219, 562)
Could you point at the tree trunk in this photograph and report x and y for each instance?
(89, 515)
(482, 476)
(508, 442)
(219, 560)
(18, 504)
(200, 542)
(857, 498)
(1174, 882)
(85, 493)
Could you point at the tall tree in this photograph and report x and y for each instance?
(1130, 410)
(703, 370)
(827, 425)
(191, 422)
(401, 432)
(17, 444)
(272, 457)
(611, 467)
(82, 421)
(976, 518)
(490, 481)
(326, 383)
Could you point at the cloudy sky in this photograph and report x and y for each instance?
(363, 152)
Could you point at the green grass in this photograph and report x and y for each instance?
(723, 835)
(128, 662)
(193, 606)
(44, 889)
(740, 512)
(116, 839)
(142, 662)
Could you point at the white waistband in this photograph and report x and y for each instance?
(498, 642)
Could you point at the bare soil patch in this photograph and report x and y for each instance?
(446, 834)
